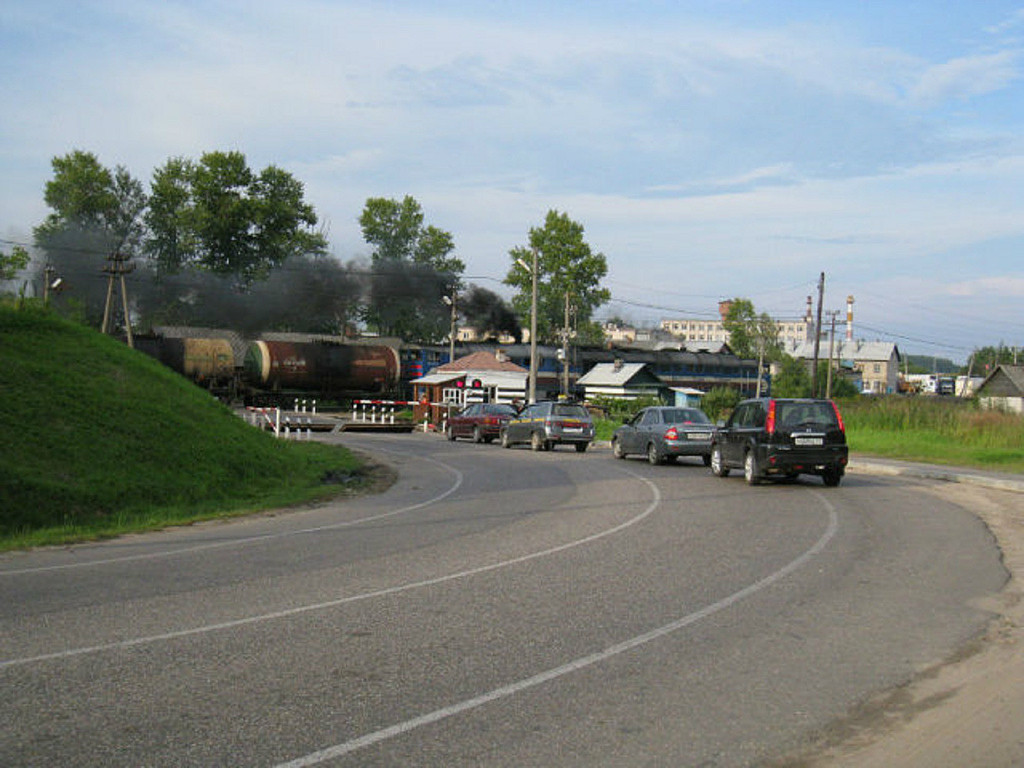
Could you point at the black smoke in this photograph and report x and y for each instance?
(489, 315)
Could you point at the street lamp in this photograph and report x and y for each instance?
(533, 325)
(450, 301)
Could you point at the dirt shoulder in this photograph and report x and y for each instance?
(968, 711)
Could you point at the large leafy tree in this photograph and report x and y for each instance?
(566, 266)
(219, 215)
(412, 271)
(95, 213)
(751, 335)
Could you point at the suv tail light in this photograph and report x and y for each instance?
(769, 425)
(672, 434)
(839, 418)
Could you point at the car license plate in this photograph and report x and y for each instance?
(572, 429)
(700, 435)
(808, 441)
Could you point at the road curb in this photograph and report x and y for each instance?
(1008, 482)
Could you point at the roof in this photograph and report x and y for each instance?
(478, 362)
(1004, 381)
(845, 350)
(501, 379)
(617, 375)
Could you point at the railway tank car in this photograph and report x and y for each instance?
(324, 367)
(206, 361)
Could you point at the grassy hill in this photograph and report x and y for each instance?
(96, 438)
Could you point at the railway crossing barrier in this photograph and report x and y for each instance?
(270, 418)
(378, 411)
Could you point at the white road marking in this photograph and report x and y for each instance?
(298, 610)
(398, 729)
(262, 537)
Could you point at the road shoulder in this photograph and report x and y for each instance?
(968, 710)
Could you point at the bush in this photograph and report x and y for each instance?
(719, 402)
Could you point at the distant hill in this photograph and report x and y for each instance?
(97, 436)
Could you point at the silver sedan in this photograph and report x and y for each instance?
(663, 433)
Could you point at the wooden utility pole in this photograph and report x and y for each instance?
(118, 267)
(817, 337)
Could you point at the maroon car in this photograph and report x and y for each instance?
(480, 421)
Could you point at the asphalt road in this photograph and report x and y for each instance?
(494, 607)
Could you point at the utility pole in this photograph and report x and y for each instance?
(532, 396)
(117, 267)
(817, 337)
(565, 349)
(831, 352)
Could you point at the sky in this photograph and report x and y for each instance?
(710, 149)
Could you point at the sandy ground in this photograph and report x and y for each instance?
(967, 712)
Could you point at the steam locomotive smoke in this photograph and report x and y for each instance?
(489, 315)
(305, 294)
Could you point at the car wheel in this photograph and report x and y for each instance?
(751, 471)
(505, 442)
(581, 447)
(653, 457)
(478, 436)
(832, 477)
(536, 442)
(617, 451)
(450, 432)
(718, 469)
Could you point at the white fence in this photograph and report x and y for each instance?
(378, 411)
(270, 418)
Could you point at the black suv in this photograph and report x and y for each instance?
(777, 438)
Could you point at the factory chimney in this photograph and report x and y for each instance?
(849, 318)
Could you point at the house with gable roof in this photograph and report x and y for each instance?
(1003, 389)
(480, 377)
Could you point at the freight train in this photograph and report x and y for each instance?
(276, 368)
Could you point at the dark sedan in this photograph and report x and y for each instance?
(663, 433)
(481, 421)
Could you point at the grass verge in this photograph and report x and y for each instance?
(99, 440)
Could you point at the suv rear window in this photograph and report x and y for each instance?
(793, 415)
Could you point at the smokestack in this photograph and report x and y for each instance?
(809, 314)
(849, 318)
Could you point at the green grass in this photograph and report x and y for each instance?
(98, 439)
(938, 430)
(935, 430)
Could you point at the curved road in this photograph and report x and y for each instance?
(494, 607)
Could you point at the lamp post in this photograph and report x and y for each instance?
(450, 301)
(532, 396)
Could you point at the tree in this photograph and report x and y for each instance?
(96, 213)
(566, 266)
(793, 378)
(12, 263)
(751, 336)
(413, 269)
(218, 215)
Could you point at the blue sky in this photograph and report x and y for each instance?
(710, 149)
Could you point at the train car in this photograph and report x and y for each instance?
(206, 361)
(325, 368)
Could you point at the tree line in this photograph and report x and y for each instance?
(215, 242)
